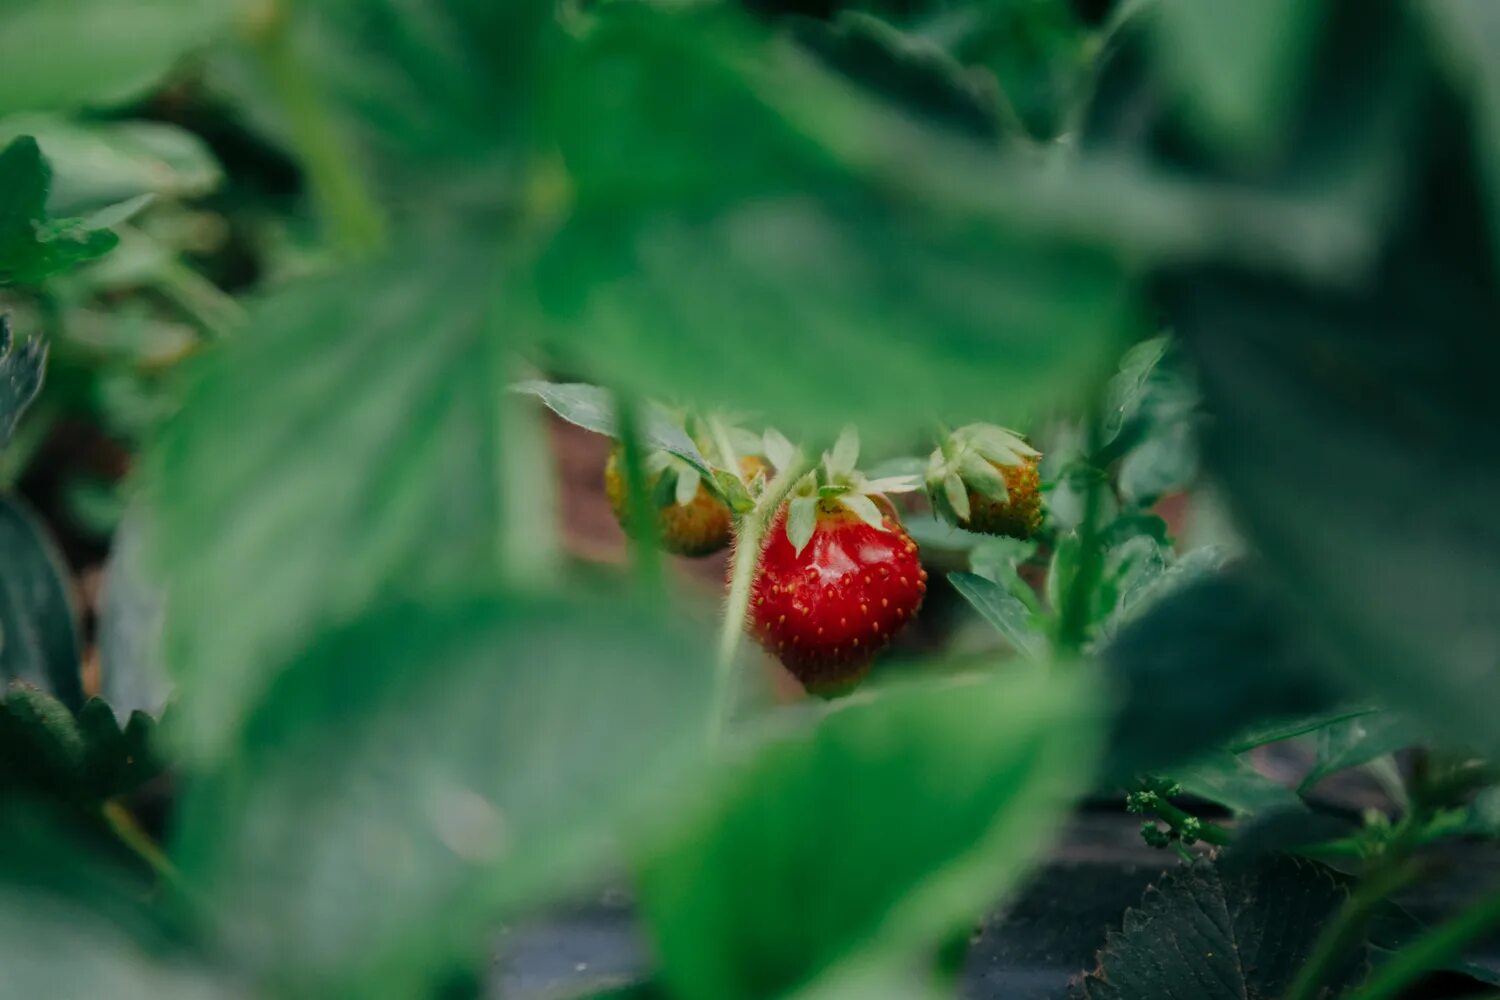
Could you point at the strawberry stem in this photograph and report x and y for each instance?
(642, 527)
(750, 536)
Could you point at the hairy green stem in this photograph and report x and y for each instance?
(1348, 927)
(355, 223)
(749, 539)
(1073, 616)
(1432, 949)
(645, 550)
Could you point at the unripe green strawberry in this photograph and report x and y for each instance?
(691, 519)
(984, 478)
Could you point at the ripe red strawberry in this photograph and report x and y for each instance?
(827, 610)
(697, 527)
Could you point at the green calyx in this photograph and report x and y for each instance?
(836, 484)
(966, 461)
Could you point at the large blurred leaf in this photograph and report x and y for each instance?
(431, 768)
(1211, 934)
(419, 85)
(1468, 37)
(875, 834)
(1237, 67)
(65, 53)
(1347, 434)
(342, 449)
(38, 627)
(74, 923)
(1206, 661)
(32, 247)
(734, 257)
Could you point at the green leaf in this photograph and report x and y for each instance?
(117, 761)
(1212, 658)
(430, 770)
(1211, 934)
(1352, 742)
(733, 260)
(1236, 67)
(39, 641)
(67, 53)
(1003, 610)
(345, 451)
(1285, 729)
(868, 837)
(1163, 463)
(31, 247)
(100, 163)
(21, 374)
(1226, 779)
(593, 408)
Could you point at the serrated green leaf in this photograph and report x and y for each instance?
(864, 508)
(21, 374)
(1166, 462)
(688, 481)
(1003, 610)
(593, 408)
(461, 760)
(875, 833)
(1211, 933)
(801, 519)
(39, 641)
(69, 53)
(275, 513)
(33, 248)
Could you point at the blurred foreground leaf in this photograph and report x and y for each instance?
(1372, 492)
(429, 770)
(38, 628)
(67, 53)
(1208, 660)
(342, 449)
(1211, 934)
(868, 838)
(738, 259)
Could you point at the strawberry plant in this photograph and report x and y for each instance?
(766, 499)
